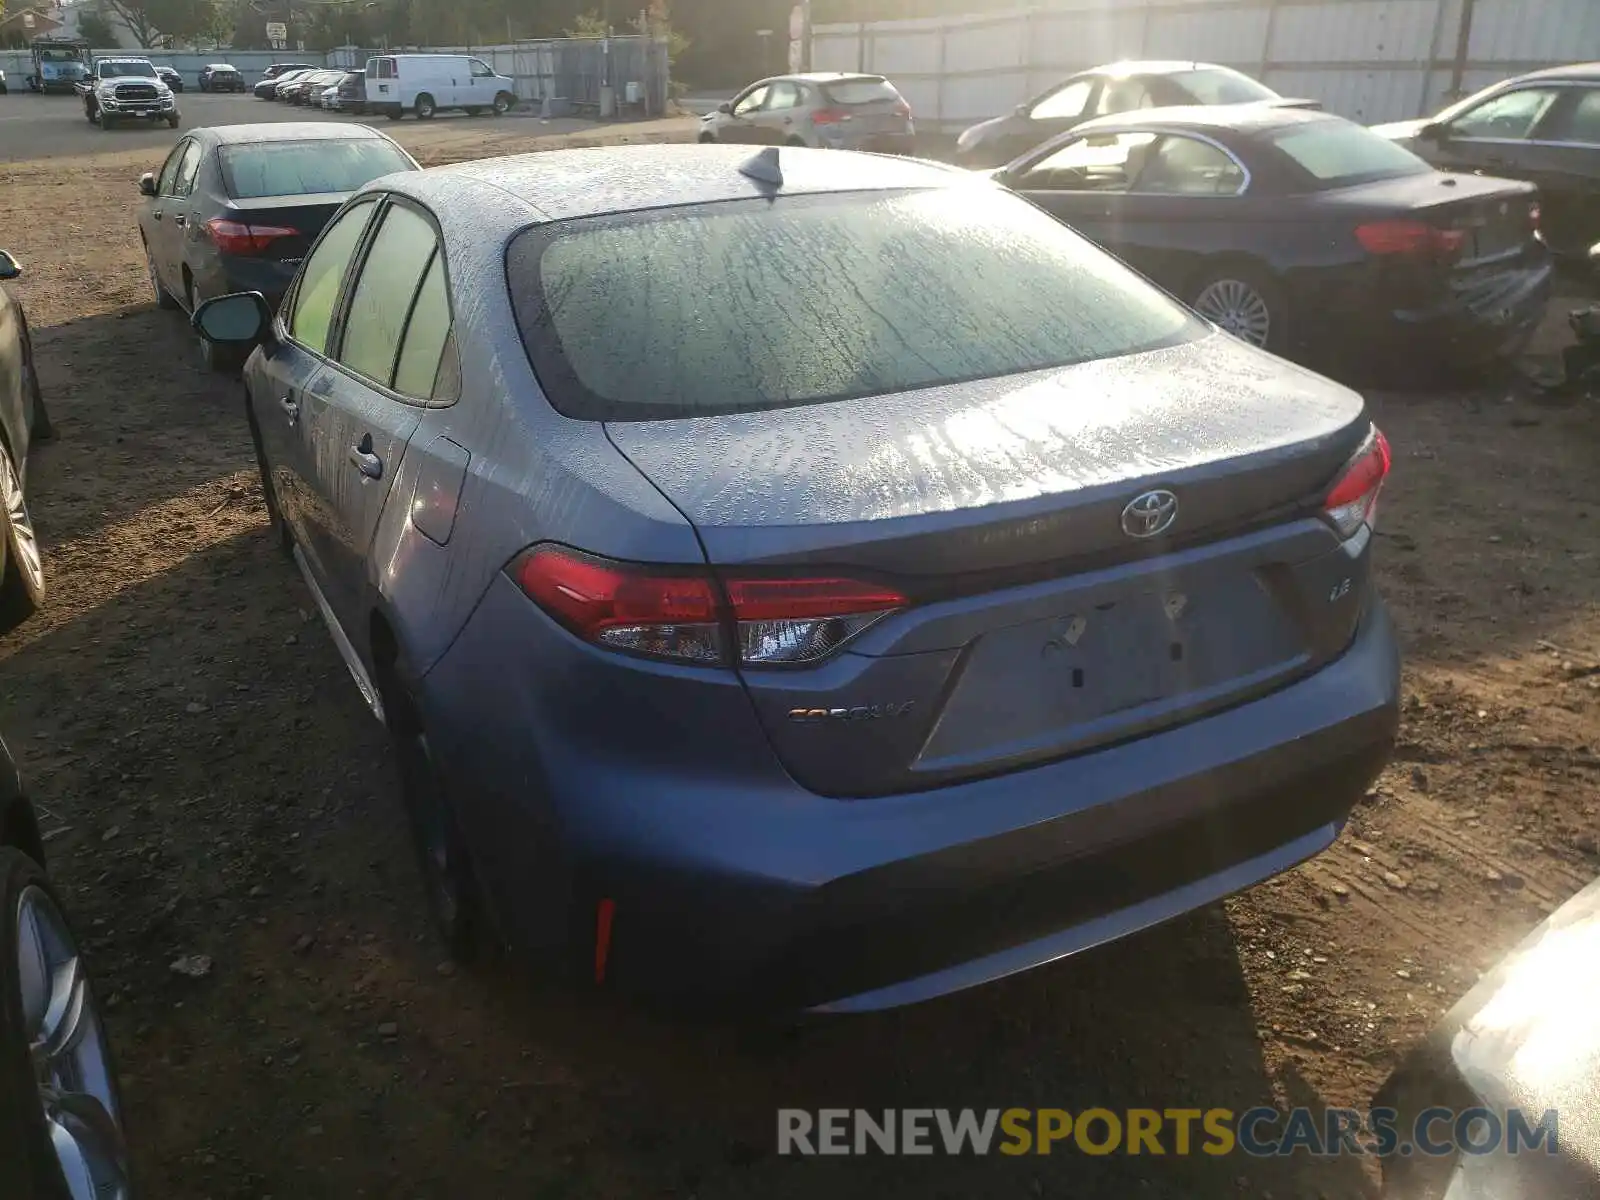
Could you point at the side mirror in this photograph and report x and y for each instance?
(240, 319)
(147, 184)
(1434, 131)
(10, 268)
(1021, 110)
(1594, 258)
(726, 107)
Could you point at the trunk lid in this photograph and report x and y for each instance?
(304, 214)
(1037, 626)
(1491, 213)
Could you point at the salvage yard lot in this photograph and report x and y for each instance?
(212, 785)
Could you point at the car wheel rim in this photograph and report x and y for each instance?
(1238, 308)
(24, 543)
(150, 267)
(500, 105)
(67, 1049)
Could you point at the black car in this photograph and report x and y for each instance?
(1543, 127)
(221, 77)
(22, 422)
(171, 78)
(60, 1109)
(267, 89)
(235, 208)
(1102, 92)
(1302, 232)
(353, 92)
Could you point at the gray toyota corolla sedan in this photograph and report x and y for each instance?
(814, 579)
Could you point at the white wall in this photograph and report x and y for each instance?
(1370, 60)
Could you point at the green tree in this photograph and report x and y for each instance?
(96, 30)
(159, 22)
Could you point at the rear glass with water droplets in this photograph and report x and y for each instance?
(759, 304)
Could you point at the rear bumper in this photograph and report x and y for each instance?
(225, 274)
(732, 883)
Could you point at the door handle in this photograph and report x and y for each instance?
(368, 463)
(155, 214)
(290, 409)
(180, 220)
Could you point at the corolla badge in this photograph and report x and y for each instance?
(859, 712)
(1150, 514)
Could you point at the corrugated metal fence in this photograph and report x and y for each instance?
(569, 69)
(1370, 60)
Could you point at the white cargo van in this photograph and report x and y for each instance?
(425, 83)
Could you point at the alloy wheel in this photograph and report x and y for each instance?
(150, 269)
(67, 1047)
(24, 541)
(1238, 308)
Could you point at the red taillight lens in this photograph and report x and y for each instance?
(1412, 238)
(829, 116)
(902, 109)
(235, 237)
(684, 614)
(1353, 500)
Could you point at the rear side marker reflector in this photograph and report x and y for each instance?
(1353, 500)
(688, 615)
(605, 912)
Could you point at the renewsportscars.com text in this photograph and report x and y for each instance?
(1258, 1132)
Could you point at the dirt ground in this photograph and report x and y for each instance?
(212, 785)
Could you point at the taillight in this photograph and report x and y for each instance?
(902, 109)
(829, 116)
(684, 614)
(1353, 500)
(235, 237)
(1415, 239)
(1534, 213)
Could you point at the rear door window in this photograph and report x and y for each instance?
(750, 305)
(783, 95)
(381, 300)
(1121, 95)
(427, 342)
(1181, 166)
(169, 169)
(183, 185)
(1574, 122)
(316, 292)
(1510, 116)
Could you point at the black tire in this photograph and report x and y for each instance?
(164, 298)
(21, 587)
(91, 113)
(425, 107)
(269, 493)
(472, 110)
(708, 139)
(39, 424)
(795, 140)
(1257, 289)
(394, 114)
(504, 102)
(454, 897)
(33, 1169)
(172, 121)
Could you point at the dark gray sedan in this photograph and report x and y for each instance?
(819, 579)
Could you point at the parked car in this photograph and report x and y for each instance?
(1544, 128)
(279, 70)
(267, 89)
(882, 698)
(1526, 1038)
(308, 89)
(128, 89)
(23, 421)
(61, 1132)
(291, 90)
(426, 83)
(171, 78)
(1105, 90)
(221, 77)
(348, 95)
(235, 207)
(828, 110)
(1302, 232)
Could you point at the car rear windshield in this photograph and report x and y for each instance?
(1337, 153)
(754, 305)
(304, 168)
(1218, 85)
(850, 92)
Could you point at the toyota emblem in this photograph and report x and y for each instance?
(1150, 514)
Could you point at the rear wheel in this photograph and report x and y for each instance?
(708, 139)
(1246, 301)
(164, 298)
(473, 110)
(394, 114)
(447, 874)
(56, 1072)
(225, 360)
(504, 103)
(172, 121)
(22, 570)
(424, 107)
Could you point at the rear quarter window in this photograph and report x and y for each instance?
(753, 305)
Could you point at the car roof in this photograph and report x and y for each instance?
(1252, 117)
(560, 185)
(1155, 66)
(825, 76)
(1584, 71)
(289, 131)
(221, 67)
(122, 58)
